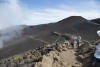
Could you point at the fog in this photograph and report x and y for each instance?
(10, 33)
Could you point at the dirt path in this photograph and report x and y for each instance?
(69, 58)
(65, 58)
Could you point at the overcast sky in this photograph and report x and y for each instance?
(33, 12)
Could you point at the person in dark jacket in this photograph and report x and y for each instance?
(72, 42)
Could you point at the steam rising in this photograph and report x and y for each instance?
(10, 33)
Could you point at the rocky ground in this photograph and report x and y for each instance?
(63, 58)
(55, 55)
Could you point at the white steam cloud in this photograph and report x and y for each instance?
(10, 33)
(10, 19)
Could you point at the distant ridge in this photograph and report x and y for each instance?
(74, 19)
(97, 21)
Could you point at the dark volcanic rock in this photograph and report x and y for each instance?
(20, 47)
(97, 21)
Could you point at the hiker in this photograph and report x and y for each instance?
(78, 41)
(72, 42)
(96, 57)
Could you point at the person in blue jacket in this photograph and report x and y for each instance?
(78, 41)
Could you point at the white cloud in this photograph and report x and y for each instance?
(12, 13)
